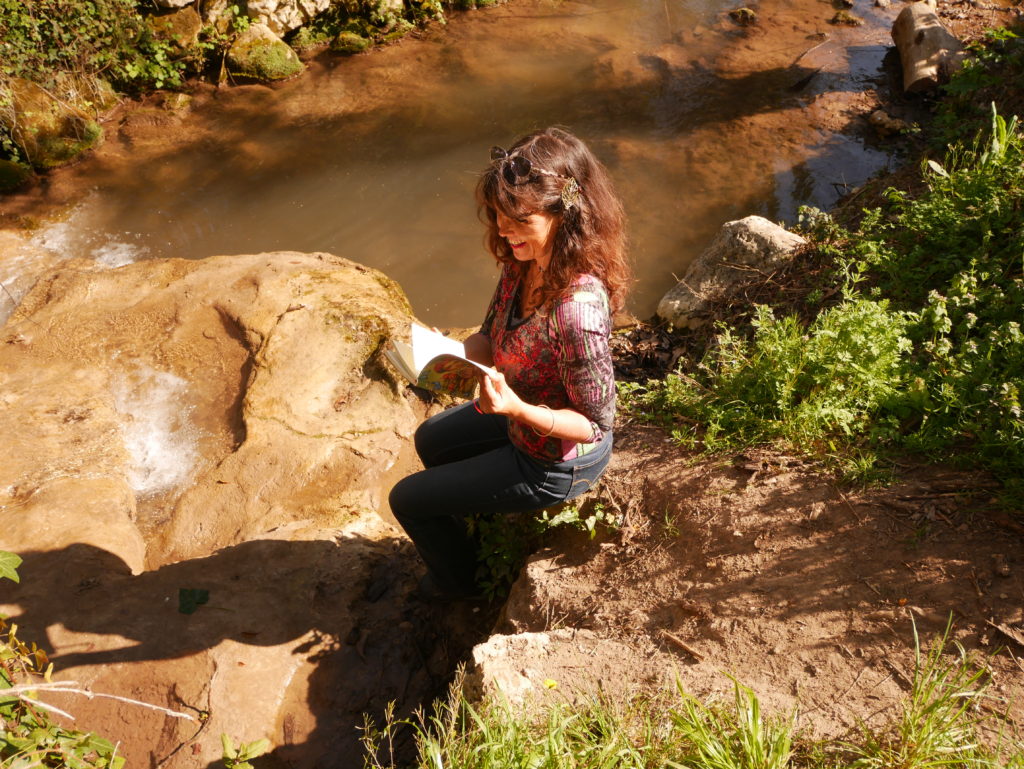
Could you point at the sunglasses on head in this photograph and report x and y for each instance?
(517, 168)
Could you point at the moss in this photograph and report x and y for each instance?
(265, 60)
(400, 30)
(743, 16)
(846, 19)
(309, 39)
(52, 151)
(349, 42)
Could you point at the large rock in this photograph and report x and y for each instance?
(259, 54)
(224, 427)
(49, 131)
(928, 51)
(283, 16)
(753, 243)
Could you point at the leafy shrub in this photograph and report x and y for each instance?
(108, 38)
(925, 352)
(804, 385)
(28, 737)
(507, 540)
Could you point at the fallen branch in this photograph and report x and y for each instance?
(70, 687)
(679, 642)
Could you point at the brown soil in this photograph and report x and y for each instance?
(759, 566)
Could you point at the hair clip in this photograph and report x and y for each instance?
(570, 194)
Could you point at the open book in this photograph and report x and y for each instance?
(435, 362)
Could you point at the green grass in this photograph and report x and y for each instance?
(938, 724)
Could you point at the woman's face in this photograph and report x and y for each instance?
(530, 238)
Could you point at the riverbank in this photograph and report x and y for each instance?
(863, 618)
(751, 562)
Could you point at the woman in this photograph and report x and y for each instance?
(541, 431)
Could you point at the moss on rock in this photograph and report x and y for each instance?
(261, 55)
(48, 131)
(350, 42)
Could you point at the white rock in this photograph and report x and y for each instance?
(753, 242)
(285, 15)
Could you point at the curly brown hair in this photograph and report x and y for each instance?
(590, 236)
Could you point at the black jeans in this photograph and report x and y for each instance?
(472, 467)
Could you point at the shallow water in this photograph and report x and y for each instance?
(374, 157)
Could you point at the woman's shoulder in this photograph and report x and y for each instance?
(586, 288)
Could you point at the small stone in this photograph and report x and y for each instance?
(1000, 566)
(882, 3)
(743, 16)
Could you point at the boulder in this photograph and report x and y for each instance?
(219, 14)
(282, 16)
(753, 243)
(180, 27)
(928, 51)
(259, 54)
(49, 131)
(196, 455)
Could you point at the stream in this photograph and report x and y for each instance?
(374, 157)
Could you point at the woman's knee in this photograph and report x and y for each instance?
(402, 499)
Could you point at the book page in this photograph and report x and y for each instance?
(427, 345)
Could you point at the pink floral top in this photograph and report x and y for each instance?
(559, 358)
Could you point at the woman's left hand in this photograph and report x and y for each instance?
(497, 397)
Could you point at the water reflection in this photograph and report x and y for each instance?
(375, 157)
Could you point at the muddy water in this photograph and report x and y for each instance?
(374, 157)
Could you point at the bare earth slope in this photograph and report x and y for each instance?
(761, 567)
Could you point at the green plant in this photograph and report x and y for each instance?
(109, 38)
(806, 385)
(505, 541)
(938, 723)
(239, 757)
(924, 351)
(737, 738)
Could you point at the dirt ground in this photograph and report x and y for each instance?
(760, 566)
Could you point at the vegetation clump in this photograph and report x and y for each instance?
(937, 725)
(921, 350)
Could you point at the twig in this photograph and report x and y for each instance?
(812, 48)
(69, 687)
(842, 496)
(898, 673)
(677, 641)
(855, 681)
(873, 588)
(44, 706)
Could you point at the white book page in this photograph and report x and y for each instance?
(427, 345)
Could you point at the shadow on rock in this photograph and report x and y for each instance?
(347, 605)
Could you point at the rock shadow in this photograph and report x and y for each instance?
(346, 604)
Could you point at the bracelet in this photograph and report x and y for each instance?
(550, 429)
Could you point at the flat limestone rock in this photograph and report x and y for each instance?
(741, 245)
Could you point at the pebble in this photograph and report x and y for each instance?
(1000, 566)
